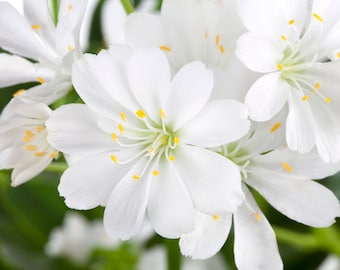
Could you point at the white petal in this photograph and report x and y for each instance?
(300, 134)
(90, 181)
(149, 77)
(209, 236)
(80, 133)
(125, 210)
(190, 91)
(16, 35)
(213, 181)
(170, 215)
(267, 97)
(259, 53)
(219, 123)
(297, 197)
(255, 245)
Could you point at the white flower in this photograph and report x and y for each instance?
(35, 37)
(292, 44)
(23, 140)
(196, 30)
(332, 262)
(145, 145)
(284, 180)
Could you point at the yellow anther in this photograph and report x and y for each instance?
(206, 34)
(328, 100)
(151, 150)
(19, 92)
(31, 148)
(39, 128)
(291, 22)
(338, 54)
(136, 177)
(318, 17)
(114, 136)
(176, 140)
(114, 159)
(222, 50)
(140, 113)
(69, 7)
(317, 85)
(284, 38)
(36, 26)
(40, 154)
(275, 127)
(123, 116)
(162, 114)
(217, 40)
(165, 48)
(53, 154)
(216, 217)
(70, 48)
(121, 128)
(279, 67)
(28, 136)
(41, 80)
(172, 158)
(286, 166)
(155, 173)
(305, 98)
(258, 216)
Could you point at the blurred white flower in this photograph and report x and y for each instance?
(332, 262)
(34, 36)
(23, 140)
(292, 45)
(148, 127)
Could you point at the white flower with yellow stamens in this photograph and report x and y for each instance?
(23, 140)
(283, 178)
(145, 145)
(293, 44)
(192, 30)
(35, 36)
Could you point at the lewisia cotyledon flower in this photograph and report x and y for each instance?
(35, 36)
(284, 180)
(145, 144)
(23, 140)
(293, 45)
(192, 30)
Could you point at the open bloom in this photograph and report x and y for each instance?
(143, 147)
(36, 37)
(196, 30)
(284, 180)
(293, 44)
(23, 140)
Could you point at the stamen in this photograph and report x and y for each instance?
(217, 40)
(291, 22)
(136, 177)
(318, 17)
(39, 128)
(123, 116)
(151, 150)
(275, 127)
(70, 48)
(284, 38)
(114, 136)
(54, 154)
(165, 48)
(305, 98)
(31, 148)
(338, 54)
(258, 216)
(41, 80)
(286, 166)
(171, 158)
(19, 92)
(69, 7)
(155, 173)
(162, 114)
(114, 159)
(176, 140)
(121, 128)
(221, 48)
(28, 136)
(328, 99)
(40, 154)
(36, 26)
(206, 34)
(279, 67)
(140, 113)
(216, 217)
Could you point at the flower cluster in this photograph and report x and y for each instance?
(181, 116)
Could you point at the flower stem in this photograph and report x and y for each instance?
(55, 11)
(127, 6)
(174, 255)
(57, 167)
